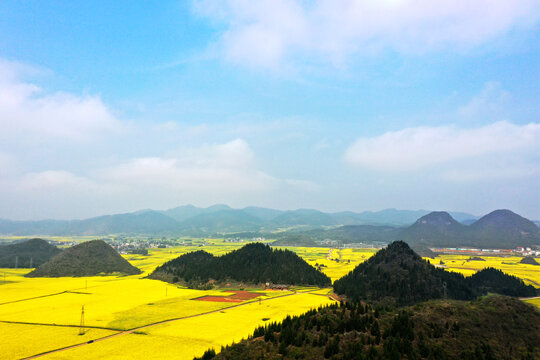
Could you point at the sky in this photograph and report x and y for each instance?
(116, 106)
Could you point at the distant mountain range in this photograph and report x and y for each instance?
(220, 218)
(499, 229)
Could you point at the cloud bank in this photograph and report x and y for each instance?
(268, 32)
(501, 145)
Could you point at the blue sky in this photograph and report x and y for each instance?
(115, 106)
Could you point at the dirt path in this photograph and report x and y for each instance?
(130, 331)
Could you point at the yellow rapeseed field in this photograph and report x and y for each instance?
(118, 303)
(20, 341)
(509, 264)
(186, 338)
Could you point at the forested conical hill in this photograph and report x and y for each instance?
(86, 259)
(399, 274)
(27, 254)
(253, 263)
(494, 327)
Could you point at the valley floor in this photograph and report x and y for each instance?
(135, 317)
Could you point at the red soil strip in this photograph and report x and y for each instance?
(237, 296)
(244, 295)
(218, 299)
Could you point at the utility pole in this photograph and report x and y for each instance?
(31, 261)
(16, 262)
(81, 329)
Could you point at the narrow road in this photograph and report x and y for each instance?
(130, 331)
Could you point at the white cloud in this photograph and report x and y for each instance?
(421, 147)
(28, 112)
(264, 33)
(218, 173)
(224, 167)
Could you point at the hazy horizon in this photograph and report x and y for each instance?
(118, 106)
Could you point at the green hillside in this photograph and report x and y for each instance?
(253, 263)
(86, 259)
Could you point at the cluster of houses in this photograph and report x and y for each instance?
(522, 251)
(527, 251)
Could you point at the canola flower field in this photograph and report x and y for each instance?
(530, 274)
(135, 317)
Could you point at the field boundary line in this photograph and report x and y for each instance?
(59, 325)
(130, 331)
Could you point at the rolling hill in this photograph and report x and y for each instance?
(437, 226)
(27, 254)
(498, 229)
(501, 227)
(253, 263)
(86, 259)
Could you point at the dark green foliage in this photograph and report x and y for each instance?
(433, 330)
(208, 355)
(27, 254)
(529, 260)
(86, 259)
(398, 275)
(492, 280)
(253, 263)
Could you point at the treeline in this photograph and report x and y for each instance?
(398, 276)
(253, 263)
(433, 330)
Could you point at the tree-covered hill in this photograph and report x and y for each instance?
(27, 254)
(399, 275)
(493, 327)
(86, 259)
(253, 263)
